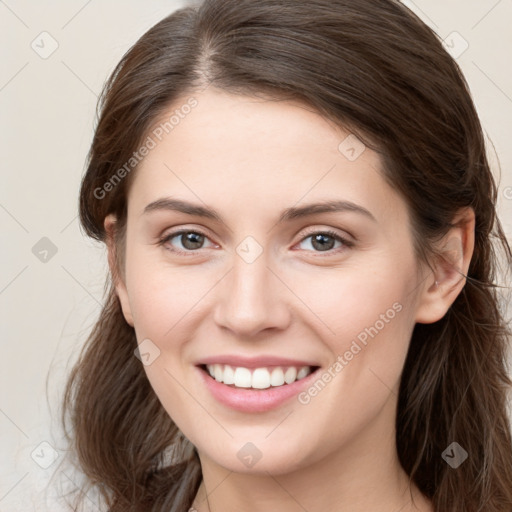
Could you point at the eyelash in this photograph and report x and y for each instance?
(346, 243)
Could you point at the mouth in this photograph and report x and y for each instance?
(262, 378)
(255, 384)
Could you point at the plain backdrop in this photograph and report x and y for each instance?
(55, 57)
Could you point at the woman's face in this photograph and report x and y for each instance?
(259, 285)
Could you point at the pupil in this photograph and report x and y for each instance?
(191, 239)
(320, 239)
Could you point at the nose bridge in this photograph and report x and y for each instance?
(251, 298)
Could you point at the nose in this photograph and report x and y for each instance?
(252, 298)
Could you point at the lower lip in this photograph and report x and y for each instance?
(254, 400)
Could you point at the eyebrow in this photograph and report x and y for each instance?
(167, 203)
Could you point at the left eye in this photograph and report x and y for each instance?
(322, 241)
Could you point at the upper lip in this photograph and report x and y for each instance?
(254, 362)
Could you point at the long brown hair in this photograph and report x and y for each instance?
(375, 68)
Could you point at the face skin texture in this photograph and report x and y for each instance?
(250, 159)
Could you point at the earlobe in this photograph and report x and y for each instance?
(121, 291)
(442, 287)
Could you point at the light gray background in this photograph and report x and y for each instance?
(47, 108)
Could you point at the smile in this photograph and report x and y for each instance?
(257, 378)
(257, 389)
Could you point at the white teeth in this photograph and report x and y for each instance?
(242, 378)
(259, 378)
(290, 375)
(277, 377)
(303, 372)
(217, 372)
(229, 375)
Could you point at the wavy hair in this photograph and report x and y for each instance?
(373, 67)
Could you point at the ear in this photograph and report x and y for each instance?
(110, 224)
(444, 285)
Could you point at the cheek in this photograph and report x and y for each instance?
(161, 295)
(354, 303)
(367, 319)
(372, 318)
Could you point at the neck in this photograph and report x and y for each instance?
(364, 475)
(260, 494)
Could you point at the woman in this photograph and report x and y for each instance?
(299, 215)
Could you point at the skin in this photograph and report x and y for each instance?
(249, 159)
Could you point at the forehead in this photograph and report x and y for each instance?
(251, 154)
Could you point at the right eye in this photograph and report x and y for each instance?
(190, 241)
